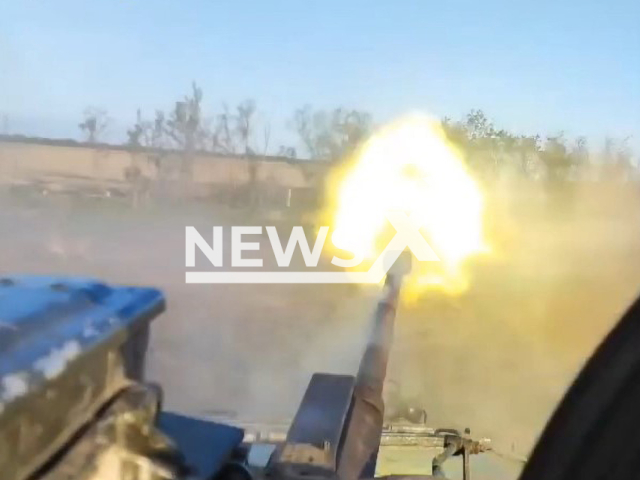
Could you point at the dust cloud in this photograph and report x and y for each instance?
(496, 358)
(499, 357)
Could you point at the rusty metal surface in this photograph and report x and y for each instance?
(317, 428)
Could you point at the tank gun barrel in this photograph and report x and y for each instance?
(338, 427)
(373, 365)
(363, 432)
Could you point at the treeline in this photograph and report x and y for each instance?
(492, 151)
(332, 135)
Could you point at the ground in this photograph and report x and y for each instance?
(496, 358)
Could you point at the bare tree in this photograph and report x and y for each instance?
(157, 132)
(138, 135)
(94, 124)
(266, 137)
(184, 128)
(579, 152)
(556, 158)
(149, 134)
(331, 135)
(184, 125)
(244, 124)
(303, 125)
(222, 136)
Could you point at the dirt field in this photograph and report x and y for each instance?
(495, 359)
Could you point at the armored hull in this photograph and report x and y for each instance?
(66, 347)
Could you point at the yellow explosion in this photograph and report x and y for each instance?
(409, 166)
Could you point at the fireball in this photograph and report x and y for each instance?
(409, 166)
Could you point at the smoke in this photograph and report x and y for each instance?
(498, 357)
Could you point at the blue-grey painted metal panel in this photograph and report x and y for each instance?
(206, 445)
(66, 346)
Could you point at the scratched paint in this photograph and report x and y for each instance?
(55, 362)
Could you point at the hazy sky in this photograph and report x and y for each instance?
(534, 66)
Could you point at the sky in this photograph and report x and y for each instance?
(532, 66)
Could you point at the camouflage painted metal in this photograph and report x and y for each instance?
(66, 347)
